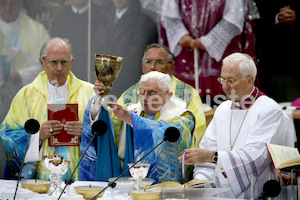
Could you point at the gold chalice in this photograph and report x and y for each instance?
(107, 70)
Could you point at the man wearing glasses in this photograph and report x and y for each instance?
(136, 130)
(55, 84)
(159, 58)
(233, 149)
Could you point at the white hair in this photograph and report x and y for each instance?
(245, 62)
(163, 80)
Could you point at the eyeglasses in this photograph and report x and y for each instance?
(149, 93)
(156, 62)
(229, 81)
(54, 63)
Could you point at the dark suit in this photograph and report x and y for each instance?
(128, 38)
(277, 46)
(74, 26)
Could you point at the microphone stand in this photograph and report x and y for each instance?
(70, 179)
(19, 175)
(113, 183)
(31, 126)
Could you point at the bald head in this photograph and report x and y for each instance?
(56, 58)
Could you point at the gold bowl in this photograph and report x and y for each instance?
(145, 195)
(88, 192)
(39, 186)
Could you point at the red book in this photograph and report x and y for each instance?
(63, 113)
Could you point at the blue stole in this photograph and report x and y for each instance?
(108, 161)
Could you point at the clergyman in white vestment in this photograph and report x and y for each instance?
(233, 150)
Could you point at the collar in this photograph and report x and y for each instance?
(15, 25)
(174, 107)
(40, 83)
(80, 10)
(153, 117)
(57, 93)
(248, 101)
(120, 14)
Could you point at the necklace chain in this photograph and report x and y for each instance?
(231, 145)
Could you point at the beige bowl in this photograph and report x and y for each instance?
(145, 195)
(39, 186)
(88, 192)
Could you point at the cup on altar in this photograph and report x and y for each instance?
(52, 177)
(59, 167)
(139, 171)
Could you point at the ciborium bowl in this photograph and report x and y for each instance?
(39, 186)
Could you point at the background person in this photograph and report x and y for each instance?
(125, 32)
(277, 35)
(73, 22)
(20, 42)
(215, 28)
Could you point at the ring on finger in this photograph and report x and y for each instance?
(51, 130)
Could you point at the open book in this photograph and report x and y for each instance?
(172, 184)
(283, 156)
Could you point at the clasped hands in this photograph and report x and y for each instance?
(54, 127)
(286, 15)
(188, 41)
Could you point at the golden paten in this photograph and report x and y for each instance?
(145, 194)
(39, 186)
(89, 192)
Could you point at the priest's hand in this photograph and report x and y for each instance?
(74, 128)
(197, 155)
(50, 128)
(286, 178)
(98, 87)
(121, 112)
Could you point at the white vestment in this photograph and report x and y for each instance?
(264, 123)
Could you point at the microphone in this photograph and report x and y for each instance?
(271, 188)
(99, 128)
(171, 134)
(31, 126)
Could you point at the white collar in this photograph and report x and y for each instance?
(174, 107)
(9, 26)
(120, 14)
(80, 10)
(58, 94)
